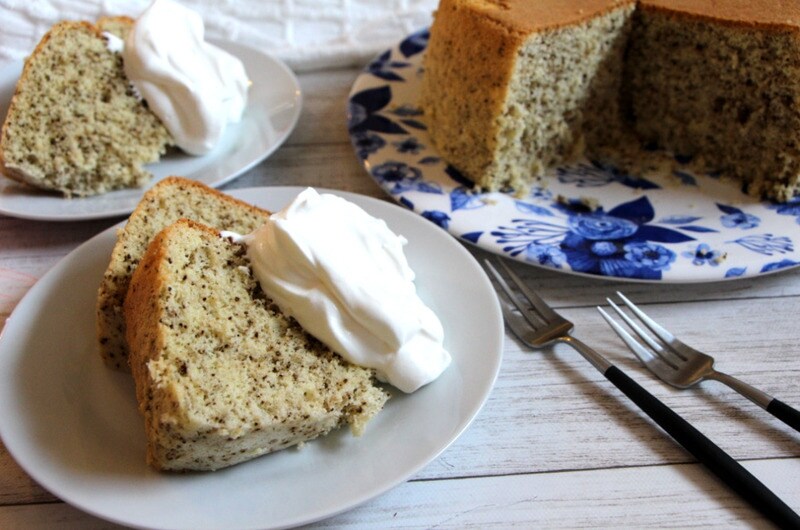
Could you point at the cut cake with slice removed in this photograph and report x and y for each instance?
(514, 87)
(74, 124)
(222, 376)
(169, 200)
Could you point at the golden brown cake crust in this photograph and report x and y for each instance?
(119, 25)
(764, 14)
(526, 16)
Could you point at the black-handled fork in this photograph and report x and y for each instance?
(536, 324)
(682, 366)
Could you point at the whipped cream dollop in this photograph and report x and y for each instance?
(342, 274)
(194, 87)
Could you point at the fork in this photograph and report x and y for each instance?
(537, 325)
(681, 366)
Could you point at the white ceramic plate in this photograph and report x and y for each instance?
(72, 424)
(676, 227)
(273, 107)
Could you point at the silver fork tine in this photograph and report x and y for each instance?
(509, 292)
(547, 326)
(686, 365)
(662, 333)
(635, 346)
(540, 305)
(640, 351)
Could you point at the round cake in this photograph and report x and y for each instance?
(512, 87)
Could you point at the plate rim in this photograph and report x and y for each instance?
(495, 325)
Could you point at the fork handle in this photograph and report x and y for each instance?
(707, 452)
(785, 413)
(776, 407)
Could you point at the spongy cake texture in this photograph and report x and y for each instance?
(726, 94)
(503, 101)
(169, 200)
(221, 375)
(74, 125)
(512, 87)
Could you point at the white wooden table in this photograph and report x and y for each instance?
(556, 444)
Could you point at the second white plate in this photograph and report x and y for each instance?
(73, 424)
(273, 107)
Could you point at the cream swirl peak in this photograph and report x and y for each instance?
(342, 274)
(194, 87)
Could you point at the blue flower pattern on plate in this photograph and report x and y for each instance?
(366, 143)
(621, 243)
(791, 208)
(415, 43)
(437, 217)
(736, 218)
(703, 254)
(462, 199)
(766, 244)
(778, 265)
(364, 112)
(384, 68)
(409, 145)
(595, 173)
(588, 217)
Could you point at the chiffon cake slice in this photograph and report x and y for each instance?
(169, 200)
(222, 376)
(74, 125)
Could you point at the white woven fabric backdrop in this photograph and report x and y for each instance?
(307, 34)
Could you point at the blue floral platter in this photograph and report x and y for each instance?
(676, 227)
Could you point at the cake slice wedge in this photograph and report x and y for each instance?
(74, 125)
(222, 376)
(169, 200)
